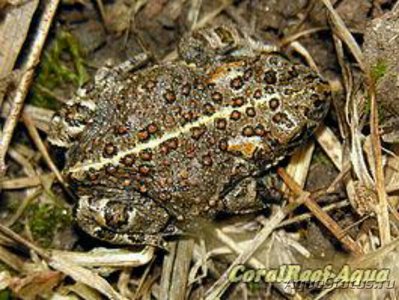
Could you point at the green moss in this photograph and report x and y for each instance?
(5, 295)
(321, 158)
(381, 110)
(379, 70)
(62, 63)
(45, 220)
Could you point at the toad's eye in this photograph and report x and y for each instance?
(117, 215)
(225, 35)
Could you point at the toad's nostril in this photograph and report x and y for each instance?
(318, 103)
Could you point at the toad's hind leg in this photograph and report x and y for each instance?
(72, 119)
(252, 194)
(217, 42)
(134, 221)
(110, 73)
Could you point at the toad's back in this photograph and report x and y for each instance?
(180, 134)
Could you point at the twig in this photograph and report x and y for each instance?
(80, 274)
(297, 46)
(167, 270)
(142, 287)
(25, 182)
(220, 286)
(299, 165)
(181, 269)
(306, 216)
(11, 260)
(382, 210)
(296, 36)
(14, 28)
(331, 145)
(175, 277)
(42, 148)
(21, 208)
(345, 34)
(103, 15)
(321, 215)
(103, 257)
(26, 79)
(48, 92)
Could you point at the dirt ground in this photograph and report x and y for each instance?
(341, 188)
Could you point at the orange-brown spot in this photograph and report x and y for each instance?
(222, 71)
(217, 97)
(274, 103)
(257, 94)
(126, 182)
(223, 145)
(237, 102)
(209, 109)
(146, 155)
(259, 130)
(169, 96)
(121, 129)
(152, 128)
(128, 160)
(109, 149)
(200, 86)
(144, 170)
(173, 143)
(248, 131)
(221, 124)
(246, 148)
(207, 160)
(164, 148)
(188, 116)
(166, 162)
(235, 115)
(250, 112)
(93, 176)
(237, 83)
(190, 152)
(143, 189)
(150, 84)
(143, 135)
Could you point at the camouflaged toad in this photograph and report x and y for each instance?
(155, 148)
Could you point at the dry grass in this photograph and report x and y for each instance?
(192, 267)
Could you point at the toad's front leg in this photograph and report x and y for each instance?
(252, 194)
